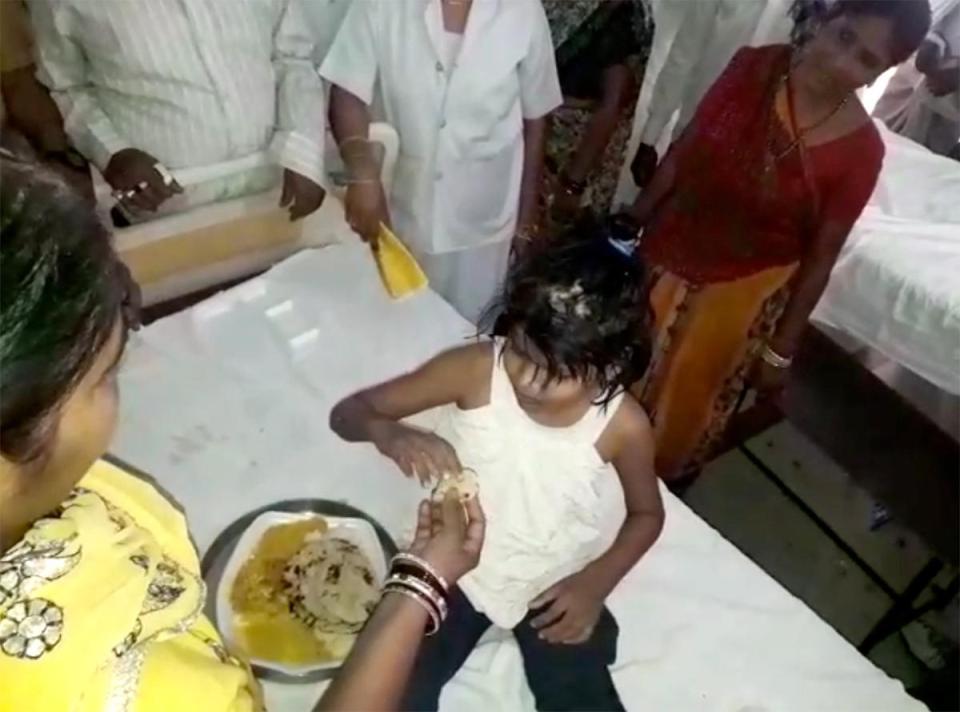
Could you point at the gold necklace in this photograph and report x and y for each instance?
(801, 132)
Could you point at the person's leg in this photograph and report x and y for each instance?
(441, 655)
(571, 677)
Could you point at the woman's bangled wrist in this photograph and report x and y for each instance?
(417, 580)
(776, 357)
(527, 232)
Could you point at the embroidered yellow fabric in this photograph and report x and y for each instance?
(100, 608)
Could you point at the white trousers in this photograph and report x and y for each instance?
(468, 279)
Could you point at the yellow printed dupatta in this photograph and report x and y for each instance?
(101, 609)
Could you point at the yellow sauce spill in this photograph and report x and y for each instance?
(263, 625)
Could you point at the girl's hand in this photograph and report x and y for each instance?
(417, 453)
(573, 607)
(448, 540)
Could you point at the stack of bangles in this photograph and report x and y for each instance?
(774, 359)
(416, 579)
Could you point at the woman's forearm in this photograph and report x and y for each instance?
(350, 124)
(660, 186)
(807, 289)
(375, 675)
(618, 90)
(534, 144)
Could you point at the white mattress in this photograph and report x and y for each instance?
(896, 286)
(226, 404)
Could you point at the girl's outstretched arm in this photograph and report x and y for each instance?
(374, 414)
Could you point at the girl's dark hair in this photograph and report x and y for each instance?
(910, 20)
(61, 292)
(583, 305)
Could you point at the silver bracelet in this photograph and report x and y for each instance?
(434, 620)
(774, 359)
(423, 564)
(424, 589)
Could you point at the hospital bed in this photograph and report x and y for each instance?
(226, 405)
(896, 286)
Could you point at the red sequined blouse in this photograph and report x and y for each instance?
(737, 206)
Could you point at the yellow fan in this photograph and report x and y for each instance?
(400, 273)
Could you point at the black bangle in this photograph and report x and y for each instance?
(435, 620)
(405, 568)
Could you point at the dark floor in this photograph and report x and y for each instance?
(799, 498)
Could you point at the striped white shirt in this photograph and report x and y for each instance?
(191, 82)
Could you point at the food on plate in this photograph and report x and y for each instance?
(331, 586)
(464, 483)
(303, 595)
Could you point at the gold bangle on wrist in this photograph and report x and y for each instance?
(527, 233)
(405, 556)
(434, 624)
(772, 358)
(424, 589)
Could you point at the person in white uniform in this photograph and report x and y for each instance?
(922, 101)
(468, 86)
(558, 448)
(324, 18)
(148, 89)
(702, 37)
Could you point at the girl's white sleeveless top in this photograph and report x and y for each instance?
(542, 490)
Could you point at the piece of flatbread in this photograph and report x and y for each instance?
(464, 483)
(331, 586)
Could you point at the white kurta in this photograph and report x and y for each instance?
(324, 18)
(193, 83)
(708, 34)
(456, 187)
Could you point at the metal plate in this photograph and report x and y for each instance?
(215, 560)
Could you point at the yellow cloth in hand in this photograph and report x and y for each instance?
(400, 273)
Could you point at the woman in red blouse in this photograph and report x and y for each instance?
(745, 216)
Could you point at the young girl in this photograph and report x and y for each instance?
(541, 415)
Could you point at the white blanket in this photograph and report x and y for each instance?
(227, 404)
(896, 286)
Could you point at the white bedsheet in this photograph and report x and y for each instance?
(896, 286)
(226, 405)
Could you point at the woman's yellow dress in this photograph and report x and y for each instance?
(101, 609)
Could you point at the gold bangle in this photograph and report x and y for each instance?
(527, 233)
(406, 556)
(424, 589)
(434, 620)
(774, 359)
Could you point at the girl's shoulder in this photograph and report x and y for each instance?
(629, 426)
(474, 356)
(471, 367)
